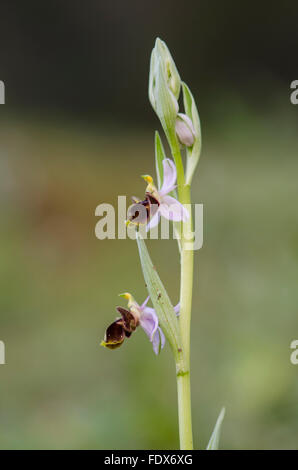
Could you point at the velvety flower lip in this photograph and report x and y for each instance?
(132, 317)
(141, 211)
(169, 207)
(120, 329)
(114, 335)
(129, 321)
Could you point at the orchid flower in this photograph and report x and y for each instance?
(132, 317)
(158, 202)
(168, 206)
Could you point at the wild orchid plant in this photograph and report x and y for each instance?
(170, 199)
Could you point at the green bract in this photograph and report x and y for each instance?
(161, 301)
(214, 439)
(162, 53)
(164, 88)
(193, 153)
(159, 157)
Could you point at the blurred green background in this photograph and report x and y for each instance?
(69, 142)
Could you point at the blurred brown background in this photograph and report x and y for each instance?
(77, 130)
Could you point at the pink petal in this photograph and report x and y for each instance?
(184, 133)
(149, 322)
(153, 222)
(169, 177)
(188, 121)
(177, 308)
(158, 341)
(172, 209)
(145, 303)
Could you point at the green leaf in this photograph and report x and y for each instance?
(161, 301)
(193, 153)
(159, 157)
(214, 439)
(166, 105)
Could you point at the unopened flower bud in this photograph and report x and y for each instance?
(164, 87)
(185, 130)
(172, 75)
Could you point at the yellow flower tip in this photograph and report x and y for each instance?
(111, 344)
(148, 178)
(126, 295)
(132, 222)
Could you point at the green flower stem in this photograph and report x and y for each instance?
(183, 382)
(187, 255)
(184, 411)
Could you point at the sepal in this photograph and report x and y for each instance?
(193, 152)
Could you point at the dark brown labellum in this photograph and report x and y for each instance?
(128, 321)
(120, 329)
(136, 212)
(115, 335)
